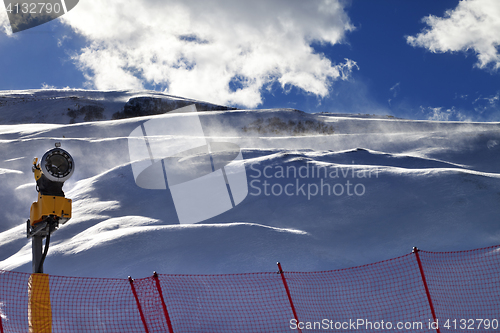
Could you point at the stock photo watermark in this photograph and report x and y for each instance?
(309, 180)
(385, 325)
(205, 178)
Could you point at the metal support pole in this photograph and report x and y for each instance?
(37, 253)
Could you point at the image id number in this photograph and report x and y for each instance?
(34, 8)
(471, 324)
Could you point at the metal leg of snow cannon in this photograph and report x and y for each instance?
(37, 233)
(37, 253)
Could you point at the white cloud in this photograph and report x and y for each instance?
(48, 86)
(488, 107)
(442, 114)
(485, 109)
(395, 89)
(4, 23)
(472, 25)
(196, 48)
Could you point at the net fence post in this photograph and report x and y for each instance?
(429, 299)
(164, 306)
(138, 304)
(280, 271)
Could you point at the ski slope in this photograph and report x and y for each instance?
(434, 185)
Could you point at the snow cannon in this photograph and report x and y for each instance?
(52, 208)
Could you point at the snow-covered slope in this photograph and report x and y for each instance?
(405, 183)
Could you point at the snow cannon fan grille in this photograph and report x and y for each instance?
(57, 165)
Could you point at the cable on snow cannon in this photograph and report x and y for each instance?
(52, 207)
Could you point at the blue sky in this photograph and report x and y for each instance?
(417, 59)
